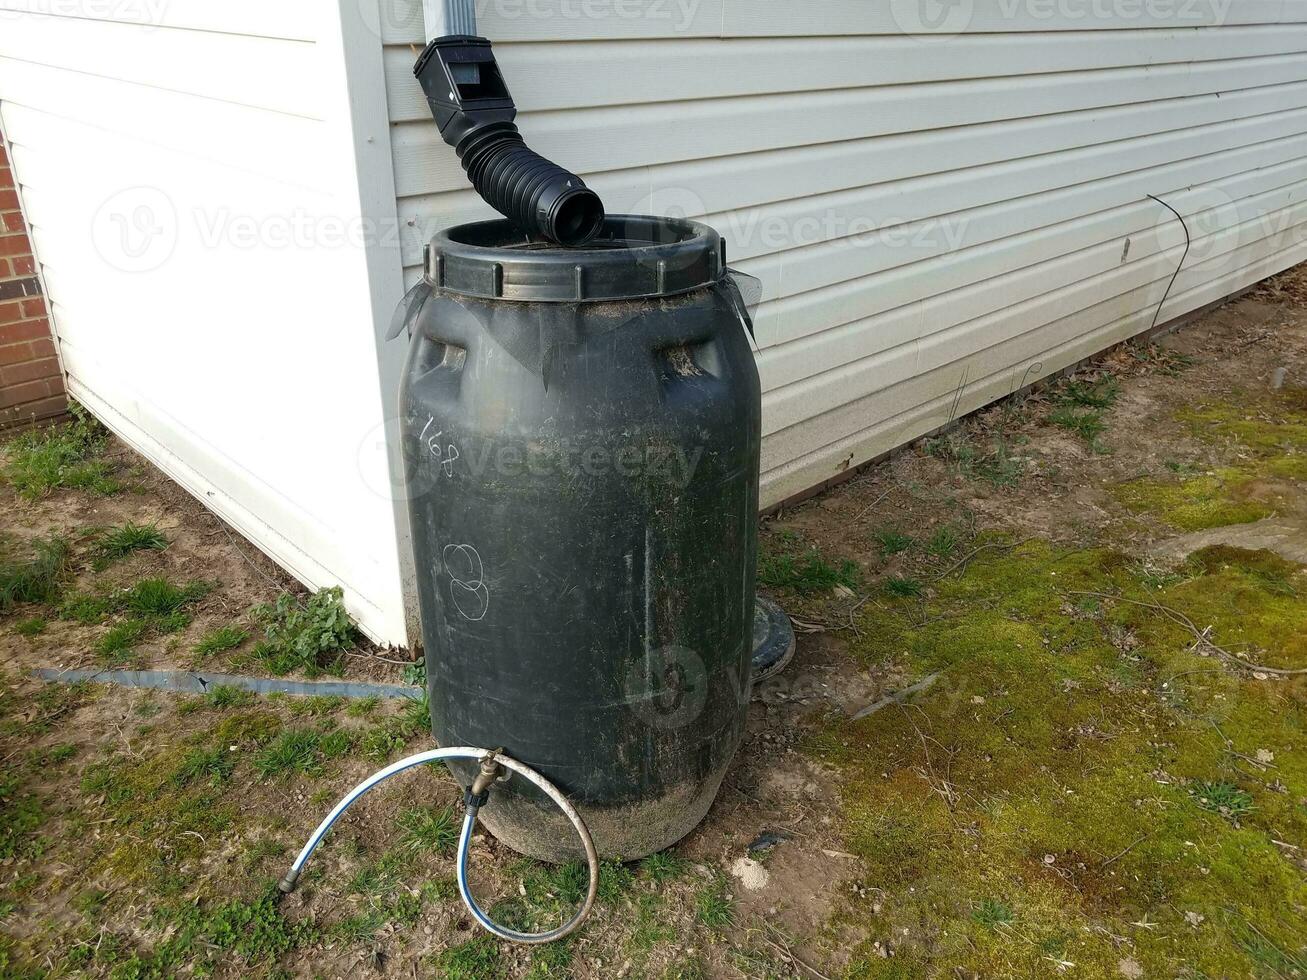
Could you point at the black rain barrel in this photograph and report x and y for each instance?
(581, 441)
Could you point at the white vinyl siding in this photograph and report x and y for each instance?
(243, 361)
(937, 221)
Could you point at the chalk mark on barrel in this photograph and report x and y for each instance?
(467, 587)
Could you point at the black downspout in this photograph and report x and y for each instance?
(475, 113)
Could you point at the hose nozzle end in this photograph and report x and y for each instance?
(289, 883)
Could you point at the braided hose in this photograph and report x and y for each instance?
(491, 762)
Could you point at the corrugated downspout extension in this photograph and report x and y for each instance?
(475, 113)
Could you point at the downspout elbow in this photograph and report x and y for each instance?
(474, 112)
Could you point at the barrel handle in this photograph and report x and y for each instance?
(492, 764)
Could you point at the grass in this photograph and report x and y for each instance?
(161, 598)
(301, 751)
(60, 457)
(1080, 407)
(220, 639)
(363, 707)
(810, 572)
(34, 579)
(86, 608)
(428, 830)
(891, 541)
(34, 626)
(995, 463)
(21, 815)
(121, 639)
(1087, 424)
(943, 543)
(317, 705)
(663, 867)
(392, 734)
(224, 696)
(1222, 797)
(304, 636)
(478, 959)
(120, 541)
(897, 585)
(213, 765)
(714, 905)
(992, 914)
(1159, 359)
(1100, 393)
(153, 606)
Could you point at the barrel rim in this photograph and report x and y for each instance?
(634, 256)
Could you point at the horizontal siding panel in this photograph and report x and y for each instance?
(560, 20)
(764, 17)
(910, 301)
(619, 137)
(805, 309)
(698, 187)
(563, 75)
(787, 226)
(1090, 284)
(268, 73)
(289, 19)
(790, 276)
(904, 414)
(283, 148)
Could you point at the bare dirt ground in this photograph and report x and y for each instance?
(1042, 721)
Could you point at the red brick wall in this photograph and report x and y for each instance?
(31, 384)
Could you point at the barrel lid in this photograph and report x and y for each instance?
(634, 256)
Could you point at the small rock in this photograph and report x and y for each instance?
(1130, 968)
(1265, 755)
(1194, 919)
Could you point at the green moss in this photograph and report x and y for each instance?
(1196, 504)
(149, 802)
(1047, 793)
(20, 818)
(1271, 425)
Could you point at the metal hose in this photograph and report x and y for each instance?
(489, 759)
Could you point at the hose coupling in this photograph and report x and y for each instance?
(289, 883)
